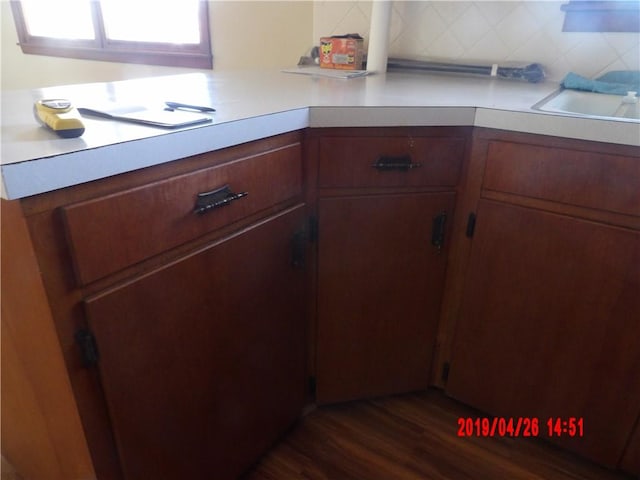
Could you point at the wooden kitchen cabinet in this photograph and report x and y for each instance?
(382, 253)
(183, 341)
(549, 322)
(182, 333)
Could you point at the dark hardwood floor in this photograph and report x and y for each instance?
(411, 437)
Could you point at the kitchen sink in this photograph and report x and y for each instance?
(593, 105)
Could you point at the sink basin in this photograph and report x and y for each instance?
(589, 104)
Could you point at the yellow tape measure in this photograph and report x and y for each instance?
(60, 116)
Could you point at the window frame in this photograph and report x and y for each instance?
(103, 49)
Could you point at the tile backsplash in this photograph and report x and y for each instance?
(488, 32)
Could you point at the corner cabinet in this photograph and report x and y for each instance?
(178, 296)
(386, 199)
(177, 313)
(549, 320)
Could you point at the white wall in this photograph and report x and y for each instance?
(244, 34)
(275, 34)
(486, 31)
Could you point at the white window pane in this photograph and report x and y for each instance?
(65, 19)
(152, 21)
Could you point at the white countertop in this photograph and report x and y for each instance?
(256, 104)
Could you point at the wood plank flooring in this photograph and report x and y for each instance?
(411, 437)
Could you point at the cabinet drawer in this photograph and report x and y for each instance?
(350, 161)
(574, 177)
(112, 232)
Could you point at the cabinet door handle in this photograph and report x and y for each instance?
(88, 347)
(401, 163)
(438, 230)
(220, 197)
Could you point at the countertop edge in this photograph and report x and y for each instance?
(60, 171)
(391, 116)
(32, 177)
(565, 126)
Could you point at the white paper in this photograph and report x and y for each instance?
(326, 72)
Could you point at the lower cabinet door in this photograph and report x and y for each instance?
(202, 361)
(549, 328)
(380, 283)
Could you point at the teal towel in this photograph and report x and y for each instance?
(616, 82)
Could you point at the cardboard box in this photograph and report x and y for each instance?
(343, 52)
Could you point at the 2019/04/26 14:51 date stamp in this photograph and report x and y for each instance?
(520, 427)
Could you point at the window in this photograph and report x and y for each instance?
(174, 33)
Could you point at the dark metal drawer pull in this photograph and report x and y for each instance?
(220, 197)
(438, 230)
(402, 163)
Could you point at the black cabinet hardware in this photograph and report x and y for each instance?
(399, 163)
(220, 197)
(88, 347)
(438, 229)
(471, 224)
